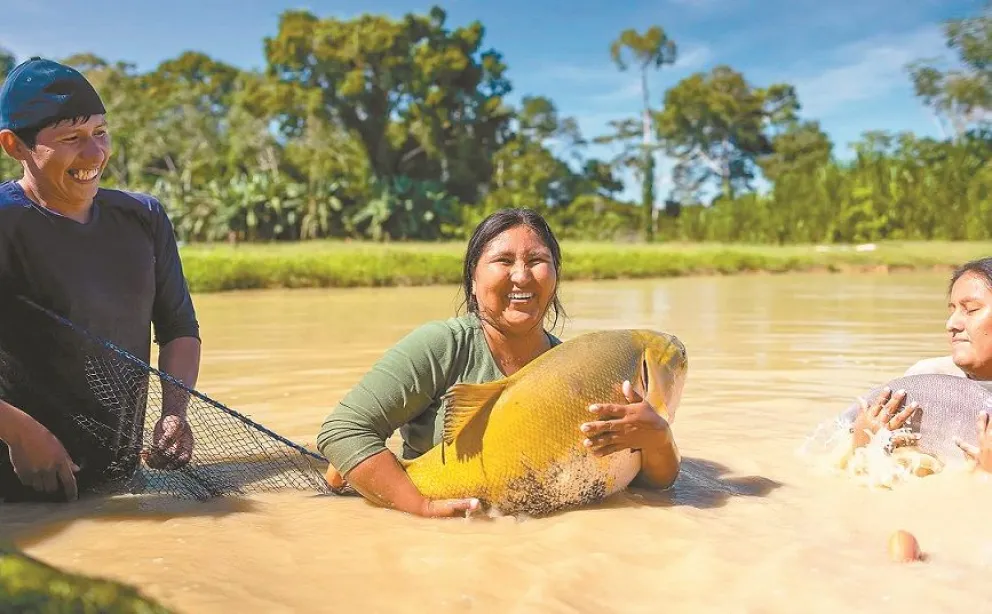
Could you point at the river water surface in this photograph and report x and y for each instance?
(750, 526)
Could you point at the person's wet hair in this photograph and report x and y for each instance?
(981, 267)
(493, 226)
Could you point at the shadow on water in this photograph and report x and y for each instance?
(27, 524)
(165, 498)
(702, 484)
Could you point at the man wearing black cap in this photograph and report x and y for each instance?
(104, 259)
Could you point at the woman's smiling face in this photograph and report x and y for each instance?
(515, 280)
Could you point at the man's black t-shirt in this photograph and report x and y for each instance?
(114, 276)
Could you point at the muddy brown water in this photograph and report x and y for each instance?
(751, 526)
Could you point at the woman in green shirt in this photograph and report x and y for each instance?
(510, 281)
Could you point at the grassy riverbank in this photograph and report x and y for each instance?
(213, 268)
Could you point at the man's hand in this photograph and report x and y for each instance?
(38, 457)
(172, 444)
(172, 438)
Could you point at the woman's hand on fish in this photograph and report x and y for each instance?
(883, 413)
(633, 426)
(449, 508)
(981, 454)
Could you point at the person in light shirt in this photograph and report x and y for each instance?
(969, 328)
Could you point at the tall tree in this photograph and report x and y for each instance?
(425, 101)
(962, 96)
(538, 119)
(650, 50)
(717, 126)
(801, 148)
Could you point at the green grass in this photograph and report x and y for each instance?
(220, 267)
(29, 585)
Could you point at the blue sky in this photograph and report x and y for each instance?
(846, 57)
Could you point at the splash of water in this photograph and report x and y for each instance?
(878, 464)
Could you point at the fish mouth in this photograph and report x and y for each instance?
(661, 384)
(84, 175)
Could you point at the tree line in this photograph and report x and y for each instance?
(400, 129)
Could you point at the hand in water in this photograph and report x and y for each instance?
(447, 508)
(981, 454)
(884, 412)
(172, 444)
(635, 425)
(41, 461)
(441, 508)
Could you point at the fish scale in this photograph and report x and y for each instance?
(949, 407)
(515, 443)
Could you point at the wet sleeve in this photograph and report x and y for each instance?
(172, 313)
(399, 387)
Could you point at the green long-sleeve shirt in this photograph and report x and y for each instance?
(403, 391)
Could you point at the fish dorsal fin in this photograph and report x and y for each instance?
(466, 401)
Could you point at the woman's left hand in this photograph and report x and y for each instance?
(980, 455)
(635, 425)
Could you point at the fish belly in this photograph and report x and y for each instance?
(580, 479)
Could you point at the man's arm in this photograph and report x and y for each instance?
(178, 335)
(180, 358)
(38, 457)
(172, 438)
(176, 328)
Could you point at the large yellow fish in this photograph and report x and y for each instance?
(515, 443)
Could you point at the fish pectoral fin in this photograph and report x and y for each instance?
(466, 401)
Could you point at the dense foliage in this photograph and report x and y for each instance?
(382, 128)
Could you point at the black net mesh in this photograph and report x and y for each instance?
(104, 405)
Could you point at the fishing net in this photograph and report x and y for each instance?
(103, 404)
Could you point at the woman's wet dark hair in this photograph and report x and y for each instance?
(493, 226)
(981, 267)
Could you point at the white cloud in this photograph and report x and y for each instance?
(693, 57)
(610, 85)
(623, 93)
(866, 70)
(578, 74)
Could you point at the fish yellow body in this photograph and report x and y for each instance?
(515, 443)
